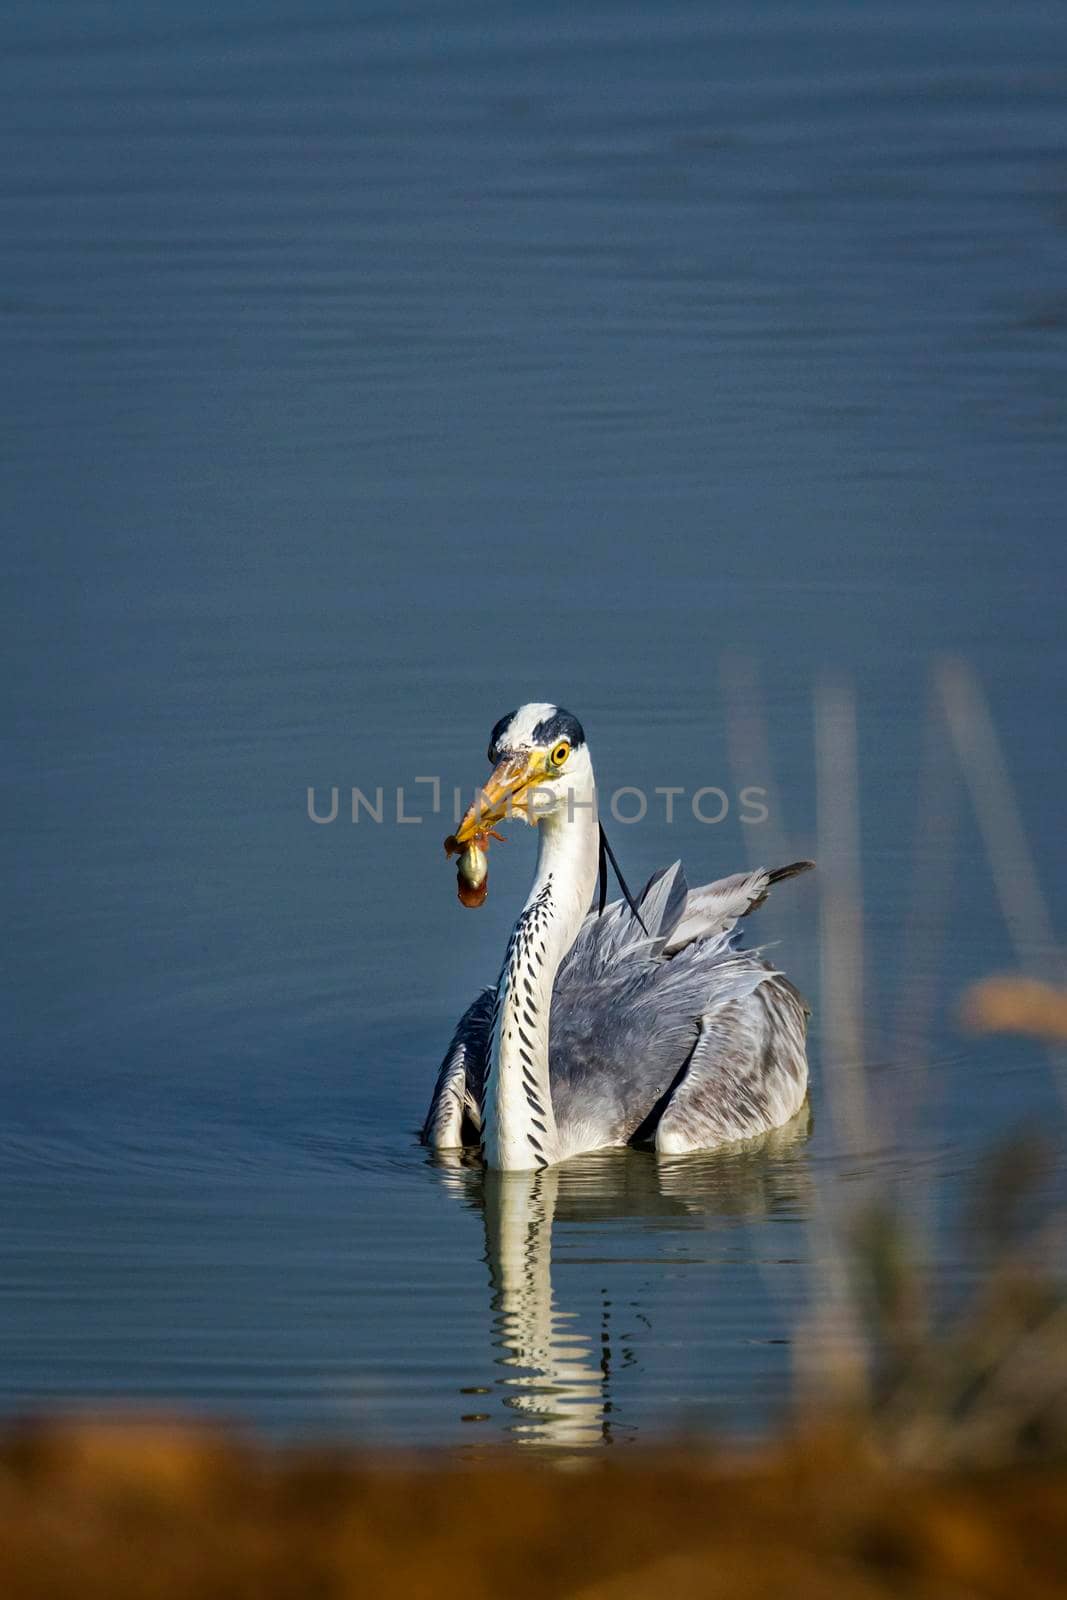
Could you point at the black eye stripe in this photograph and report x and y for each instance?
(562, 725)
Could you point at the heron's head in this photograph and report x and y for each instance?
(541, 768)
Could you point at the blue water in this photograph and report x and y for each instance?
(369, 372)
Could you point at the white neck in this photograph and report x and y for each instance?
(518, 1122)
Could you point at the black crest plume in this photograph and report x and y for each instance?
(607, 854)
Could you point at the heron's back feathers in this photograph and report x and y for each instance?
(673, 915)
(717, 907)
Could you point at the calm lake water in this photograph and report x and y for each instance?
(369, 371)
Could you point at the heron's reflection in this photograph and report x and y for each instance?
(557, 1385)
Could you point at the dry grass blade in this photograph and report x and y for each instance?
(931, 896)
(985, 770)
(840, 912)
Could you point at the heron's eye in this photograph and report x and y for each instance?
(560, 753)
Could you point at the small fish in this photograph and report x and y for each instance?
(472, 867)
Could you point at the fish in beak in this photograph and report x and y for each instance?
(472, 868)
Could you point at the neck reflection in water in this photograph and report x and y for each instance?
(558, 1380)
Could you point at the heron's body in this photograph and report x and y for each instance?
(601, 1031)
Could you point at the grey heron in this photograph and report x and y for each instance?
(639, 1023)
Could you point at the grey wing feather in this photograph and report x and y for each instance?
(673, 914)
(457, 1095)
(631, 1010)
(747, 1073)
(618, 1042)
(717, 907)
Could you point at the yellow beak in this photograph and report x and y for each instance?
(505, 793)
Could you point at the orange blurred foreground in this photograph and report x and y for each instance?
(157, 1511)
